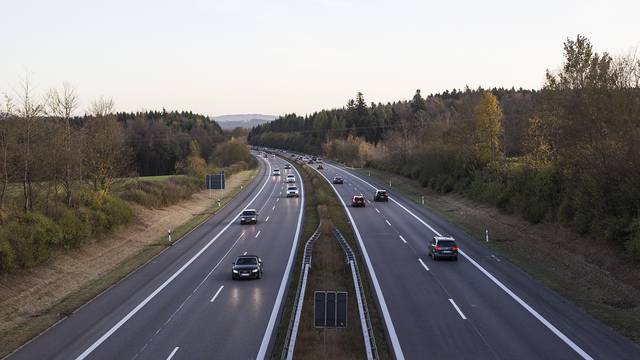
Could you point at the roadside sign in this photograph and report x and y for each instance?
(215, 181)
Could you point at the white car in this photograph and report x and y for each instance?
(291, 178)
(292, 191)
(276, 172)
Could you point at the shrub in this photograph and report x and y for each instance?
(74, 230)
(7, 254)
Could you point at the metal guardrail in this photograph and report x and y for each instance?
(294, 322)
(365, 319)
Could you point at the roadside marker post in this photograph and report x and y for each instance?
(170, 243)
(486, 234)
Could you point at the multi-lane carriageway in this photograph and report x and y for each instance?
(184, 305)
(480, 307)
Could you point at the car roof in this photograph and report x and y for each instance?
(247, 256)
(249, 210)
(358, 196)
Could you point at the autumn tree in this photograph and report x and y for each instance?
(488, 128)
(106, 156)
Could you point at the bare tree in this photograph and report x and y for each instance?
(63, 104)
(28, 110)
(5, 140)
(101, 107)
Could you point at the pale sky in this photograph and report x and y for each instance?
(274, 57)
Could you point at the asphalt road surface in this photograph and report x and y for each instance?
(480, 307)
(183, 304)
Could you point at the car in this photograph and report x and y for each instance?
(292, 191)
(320, 167)
(310, 162)
(357, 201)
(338, 180)
(291, 178)
(287, 167)
(381, 195)
(247, 267)
(276, 172)
(249, 216)
(443, 247)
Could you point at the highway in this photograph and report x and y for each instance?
(183, 304)
(480, 307)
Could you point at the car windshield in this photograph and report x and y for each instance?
(293, 188)
(446, 243)
(358, 198)
(246, 261)
(248, 212)
(382, 192)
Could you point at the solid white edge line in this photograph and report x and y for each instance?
(258, 234)
(217, 293)
(264, 346)
(119, 324)
(173, 352)
(393, 336)
(457, 309)
(532, 311)
(423, 264)
(402, 238)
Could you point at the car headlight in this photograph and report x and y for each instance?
(254, 270)
(235, 271)
(253, 218)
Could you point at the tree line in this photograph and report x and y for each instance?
(568, 152)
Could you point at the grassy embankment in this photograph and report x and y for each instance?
(587, 271)
(329, 272)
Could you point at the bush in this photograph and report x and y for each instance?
(7, 254)
(74, 230)
(117, 212)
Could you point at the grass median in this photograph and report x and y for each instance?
(319, 195)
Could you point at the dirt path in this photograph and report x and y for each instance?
(30, 292)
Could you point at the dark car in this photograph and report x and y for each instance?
(249, 216)
(287, 166)
(247, 267)
(320, 167)
(338, 180)
(381, 195)
(357, 201)
(443, 247)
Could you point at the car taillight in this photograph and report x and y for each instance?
(455, 248)
(437, 248)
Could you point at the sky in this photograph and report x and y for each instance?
(275, 57)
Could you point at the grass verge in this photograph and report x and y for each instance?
(585, 271)
(12, 338)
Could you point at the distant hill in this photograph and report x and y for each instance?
(242, 120)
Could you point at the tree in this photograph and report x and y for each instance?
(28, 110)
(101, 107)
(63, 104)
(106, 155)
(488, 128)
(196, 165)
